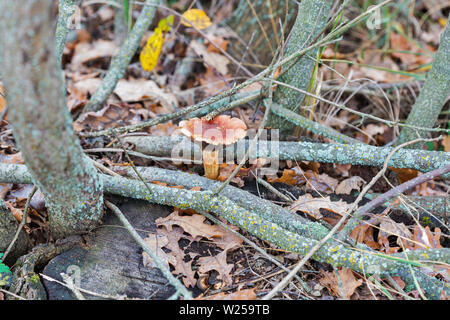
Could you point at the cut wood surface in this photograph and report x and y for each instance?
(110, 261)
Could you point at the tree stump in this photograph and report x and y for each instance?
(110, 261)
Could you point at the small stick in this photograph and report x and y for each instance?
(272, 189)
(22, 223)
(69, 282)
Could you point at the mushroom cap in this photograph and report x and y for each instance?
(221, 130)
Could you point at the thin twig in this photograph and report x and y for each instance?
(70, 285)
(95, 294)
(22, 223)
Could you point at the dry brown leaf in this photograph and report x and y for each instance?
(310, 205)
(404, 174)
(348, 282)
(228, 241)
(211, 59)
(346, 186)
(321, 182)
(371, 133)
(226, 169)
(389, 227)
(375, 60)
(86, 86)
(446, 143)
(110, 116)
(291, 177)
(414, 59)
(246, 294)
(139, 89)
(85, 52)
(211, 82)
(343, 169)
(364, 234)
(425, 239)
(216, 41)
(156, 242)
(164, 129)
(22, 192)
(192, 224)
(17, 213)
(218, 263)
(181, 267)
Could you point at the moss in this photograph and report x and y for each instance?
(426, 221)
(34, 279)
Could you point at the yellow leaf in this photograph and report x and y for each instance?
(166, 24)
(442, 22)
(149, 55)
(197, 17)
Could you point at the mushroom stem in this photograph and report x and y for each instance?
(211, 163)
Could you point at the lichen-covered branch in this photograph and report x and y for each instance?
(66, 8)
(356, 154)
(196, 110)
(41, 123)
(121, 61)
(310, 125)
(265, 208)
(120, 23)
(332, 252)
(438, 205)
(433, 95)
(311, 18)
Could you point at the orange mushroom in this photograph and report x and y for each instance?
(222, 130)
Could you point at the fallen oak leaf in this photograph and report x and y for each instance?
(311, 206)
(156, 242)
(225, 170)
(389, 227)
(290, 177)
(219, 264)
(425, 239)
(348, 283)
(246, 294)
(346, 186)
(364, 234)
(181, 267)
(191, 224)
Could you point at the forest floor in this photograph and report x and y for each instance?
(375, 71)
